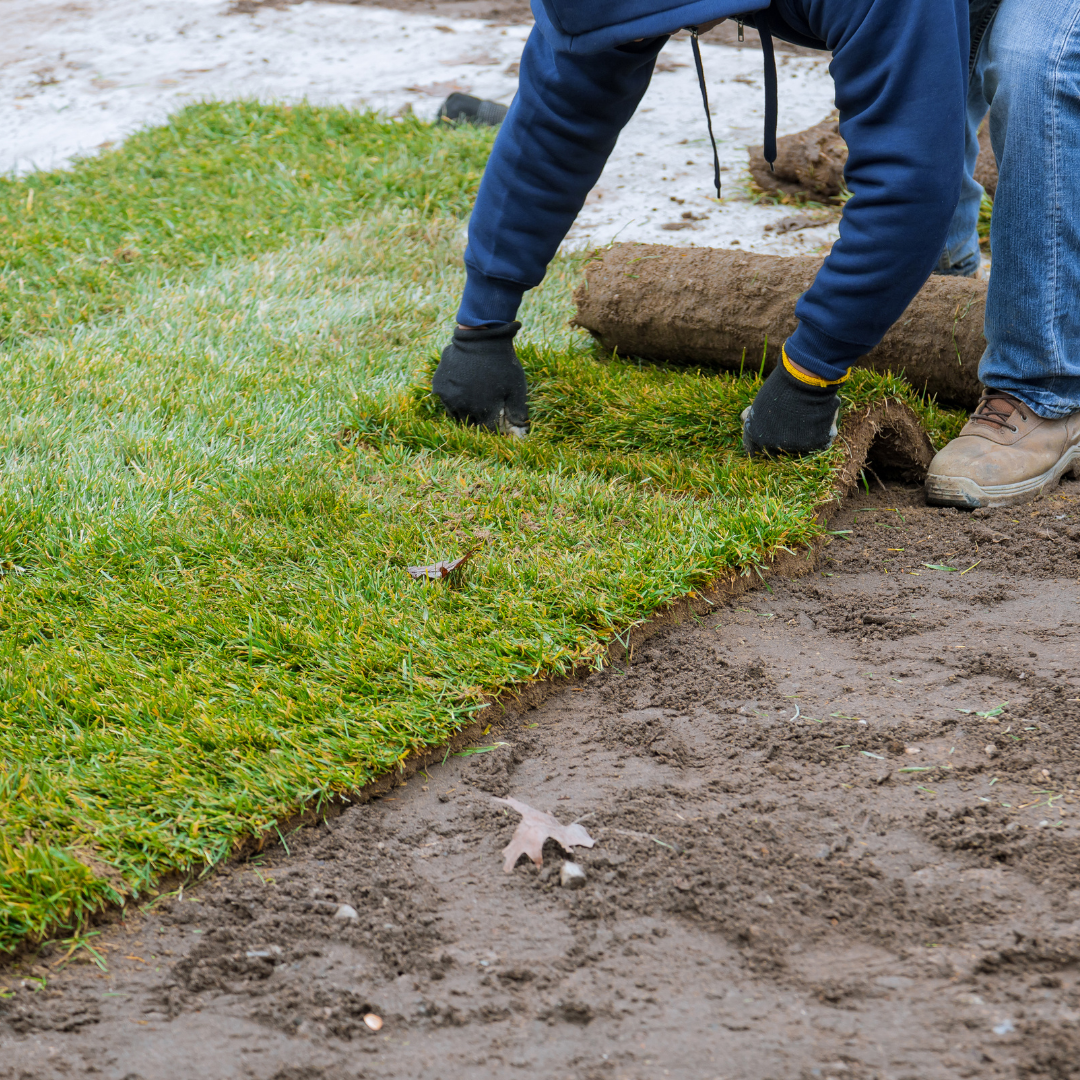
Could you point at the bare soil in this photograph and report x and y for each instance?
(986, 168)
(518, 12)
(721, 307)
(814, 858)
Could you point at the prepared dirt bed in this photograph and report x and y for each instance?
(836, 836)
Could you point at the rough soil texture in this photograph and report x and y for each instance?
(718, 307)
(814, 859)
(518, 12)
(811, 163)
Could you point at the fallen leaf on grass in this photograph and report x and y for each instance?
(535, 827)
(439, 570)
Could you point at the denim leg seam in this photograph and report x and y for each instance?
(1055, 149)
(1032, 329)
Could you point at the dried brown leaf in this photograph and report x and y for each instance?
(535, 827)
(439, 570)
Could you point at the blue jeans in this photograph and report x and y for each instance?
(1027, 76)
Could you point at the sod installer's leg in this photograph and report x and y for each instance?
(1025, 434)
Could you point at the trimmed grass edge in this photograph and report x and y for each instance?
(889, 428)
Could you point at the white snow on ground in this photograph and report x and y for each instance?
(662, 168)
(76, 76)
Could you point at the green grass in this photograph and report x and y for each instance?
(216, 469)
(215, 183)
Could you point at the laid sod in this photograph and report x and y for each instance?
(209, 496)
(216, 182)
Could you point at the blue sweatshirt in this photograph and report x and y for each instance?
(900, 69)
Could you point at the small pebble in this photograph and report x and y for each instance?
(344, 911)
(273, 950)
(373, 1021)
(764, 900)
(571, 876)
(991, 749)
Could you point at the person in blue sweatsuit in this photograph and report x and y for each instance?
(913, 80)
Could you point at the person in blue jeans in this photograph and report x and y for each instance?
(913, 80)
(1025, 434)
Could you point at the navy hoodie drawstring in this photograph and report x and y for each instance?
(771, 97)
(705, 102)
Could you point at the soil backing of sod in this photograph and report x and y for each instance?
(735, 310)
(810, 164)
(211, 495)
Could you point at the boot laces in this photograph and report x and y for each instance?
(997, 408)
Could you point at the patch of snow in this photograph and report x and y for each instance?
(88, 73)
(82, 74)
(662, 167)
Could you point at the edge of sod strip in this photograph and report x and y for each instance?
(91, 887)
(216, 470)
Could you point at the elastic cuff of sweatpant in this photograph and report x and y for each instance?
(825, 356)
(487, 300)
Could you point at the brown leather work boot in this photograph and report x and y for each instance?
(1004, 455)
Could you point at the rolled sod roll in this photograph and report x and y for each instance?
(721, 308)
(811, 163)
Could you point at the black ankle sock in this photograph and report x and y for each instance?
(789, 416)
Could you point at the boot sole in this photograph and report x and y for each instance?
(964, 493)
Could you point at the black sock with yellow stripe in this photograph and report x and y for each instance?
(793, 413)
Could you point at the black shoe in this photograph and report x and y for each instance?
(466, 109)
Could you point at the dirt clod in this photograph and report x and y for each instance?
(571, 876)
